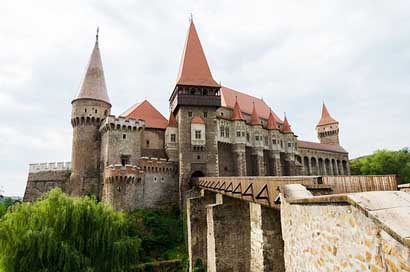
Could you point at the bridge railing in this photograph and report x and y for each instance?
(264, 190)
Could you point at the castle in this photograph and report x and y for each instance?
(141, 159)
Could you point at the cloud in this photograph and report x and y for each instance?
(294, 54)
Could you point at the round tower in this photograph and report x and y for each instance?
(328, 128)
(89, 107)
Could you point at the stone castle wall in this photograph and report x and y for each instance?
(40, 182)
(338, 236)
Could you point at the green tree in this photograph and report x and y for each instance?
(384, 162)
(60, 233)
(161, 234)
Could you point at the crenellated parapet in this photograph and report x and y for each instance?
(121, 123)
(49, 166)
(158, 165)
(120, 173)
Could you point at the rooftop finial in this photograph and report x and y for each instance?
(96, 36)
(236, 98)
(191, 18)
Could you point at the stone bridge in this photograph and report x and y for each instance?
(322, 223)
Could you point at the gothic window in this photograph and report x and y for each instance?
(147, 142)
(257, 138)
(197, 134)
(189, 113)
(173, 138)
(96, 111)
(124, 136)
(222, 131)
(227, 132)
(238, 133)
(85, 110)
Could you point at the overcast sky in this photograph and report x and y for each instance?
(354, 55)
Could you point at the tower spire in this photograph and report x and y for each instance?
(271, 124)
(237, 114)
(93, 85)
(194, 69)
(254, 117)
(96, 35)
(286, 126)
(326, 119)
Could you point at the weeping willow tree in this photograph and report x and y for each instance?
(60, 233)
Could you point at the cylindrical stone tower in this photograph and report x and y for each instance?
(90, 106)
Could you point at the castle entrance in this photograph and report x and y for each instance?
(194, 177)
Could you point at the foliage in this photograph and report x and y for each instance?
(383, 162)
(59, 233)
(198, 267)
(161, 234)
(4, 205)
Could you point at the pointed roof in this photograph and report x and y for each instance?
(230, 96)
(93, 85)
(271, 124)
(197, 120)
(326, 119)
(237, 114)
(286, 126)
(172, 122)
(254, 117)
(194, 69)
(146, 111)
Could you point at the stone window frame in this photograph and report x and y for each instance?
(173, 138)
(198, 134)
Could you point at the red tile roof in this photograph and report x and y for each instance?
(194, 69)
(197, 120)
(326, 119)
(230, 96)
(319, 146)
(286, 126)
(254, 117)
(271, 124)
(237, 114)
(147, 112)
(172, 122)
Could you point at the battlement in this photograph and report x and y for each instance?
(157, 165)
(121, 123)
(49, 166)
(119, 172)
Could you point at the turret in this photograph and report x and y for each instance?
(171, 138)
(90, 106)
(328, 128)
(239, 125)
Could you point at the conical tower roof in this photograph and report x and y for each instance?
(254, 117)
(172, 122)
(326, 119)
(271, 124)
(194, 69)
(93, 85)
(286, 126)
(237, 114)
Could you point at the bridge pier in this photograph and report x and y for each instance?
(197, 227)
(229, 233)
